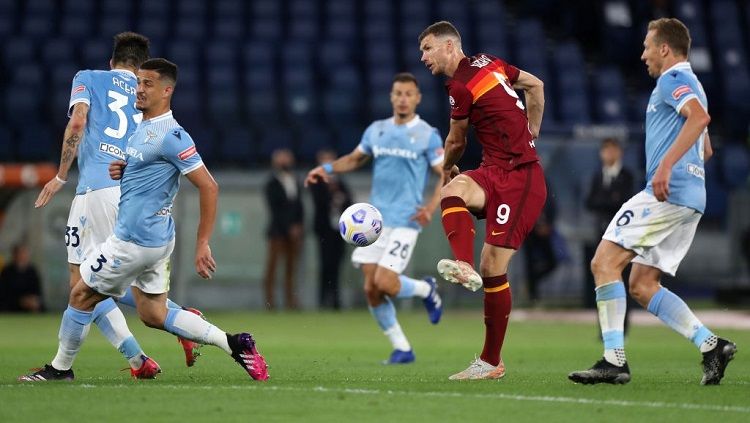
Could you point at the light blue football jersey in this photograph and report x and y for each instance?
(402, 157)
(157, 153)
(674, 88)
(112, 118)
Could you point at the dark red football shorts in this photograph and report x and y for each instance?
(515, 199)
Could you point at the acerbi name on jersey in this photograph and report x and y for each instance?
(397, 152)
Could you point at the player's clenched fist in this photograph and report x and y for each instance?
(116, 169)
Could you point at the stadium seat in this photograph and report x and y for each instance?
(334, 54)
(340, 10)
(56, 51)
(153, 26)
(377, 9)
(190, 28)
(262, 107)
(716, 193)
(183, 53)
(229, 28)
(155, 9)
(349, 135)
(347, 78)
(222, 76)
(37, 26)
(344, 30)
(309, 139)
(610, 91)
(303, 28)
(238, 146)
(205, 141)
(221, 53)
(115, 8)
(273, 138)
(223, 105)
(191, 8)
(227, 8)
(300, 98)
(111, 25)
(735, 165)
(95, 54)
(491, 39)
(258, 54)
(266, 30)
(27, 74)
(75, 27)
(341, 105)
(46, 7)
(6, 147)
(7, 26)
(35, 144)
(378, 30)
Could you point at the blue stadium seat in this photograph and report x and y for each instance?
(221, 53)
(341, 105)
(345, 30)
(262, 107)
(27, 74)
(57, 50)
(273, 138)
(6, 146)
(155, 9)
(378, 55)
(490, 11)
(84, 8)
(224, 105)
(302, 8)
(491, 39)
(340, 10)
(46, 7)
(296, 53)
(188, 106)
(95, 54)
(716, 193)
(374, 9)
(111, 25)
(378, 30)
(455, 12)
(191, 8)
(75, 27)
(115, 8)
(258, 54)
(303, 28)
(568, 55)
(266, 30)
(190, 28)
(349, 136)
(266, 9)
(238, 146)
(333, 54)
(7, 25)
(229, 28)
(735, 165)
(347, 78)
(310, 139)
(62, 75)
(611, 104)
(183, 53)
(205, 140)
(300, 99)
(156, 27)
(573, 101)
(227, 8)
(37, 26)
(35, 144)
(222, 77)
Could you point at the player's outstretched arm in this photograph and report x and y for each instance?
(208, 191)
(71, 139)
(533, 88)
(343, 164)
(697, 120)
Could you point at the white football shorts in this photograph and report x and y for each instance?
(91, 220)
(658, 231)
(115, 265)
(392, 250)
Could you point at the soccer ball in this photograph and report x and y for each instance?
(360, 224)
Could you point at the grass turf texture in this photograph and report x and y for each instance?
(326, 367)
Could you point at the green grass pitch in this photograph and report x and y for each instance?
(326, 367)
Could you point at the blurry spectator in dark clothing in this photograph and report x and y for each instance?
(20, 287)
(610, 187)
(539, 252)
(285, 227)
(330, 201)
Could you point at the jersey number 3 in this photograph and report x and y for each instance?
(508, 89)
(118, 102)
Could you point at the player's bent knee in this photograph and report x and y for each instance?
(151, 319)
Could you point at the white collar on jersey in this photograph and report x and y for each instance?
(126, 71)
(164, 116)
(679, 65)
(410, 124)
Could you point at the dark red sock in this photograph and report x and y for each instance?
(497, 305)
(459, 228)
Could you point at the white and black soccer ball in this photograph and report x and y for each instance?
(360, 224)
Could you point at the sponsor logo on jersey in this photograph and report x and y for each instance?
(696, 171)
(78, 89)
(165, 211)
(680, 91)
(395, 152)
(187, 153)
(112, 150)
(132, 152)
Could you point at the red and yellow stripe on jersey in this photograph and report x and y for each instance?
(485, 80)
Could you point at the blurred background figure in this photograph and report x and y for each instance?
(20, 287)
(330, 201)
(285, 227)
(539, 249)
(610, 187)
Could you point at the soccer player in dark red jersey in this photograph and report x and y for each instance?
(508, 188)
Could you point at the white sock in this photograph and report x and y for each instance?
(193, 327)
(397, 338)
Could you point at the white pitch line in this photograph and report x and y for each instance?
(365, 391)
